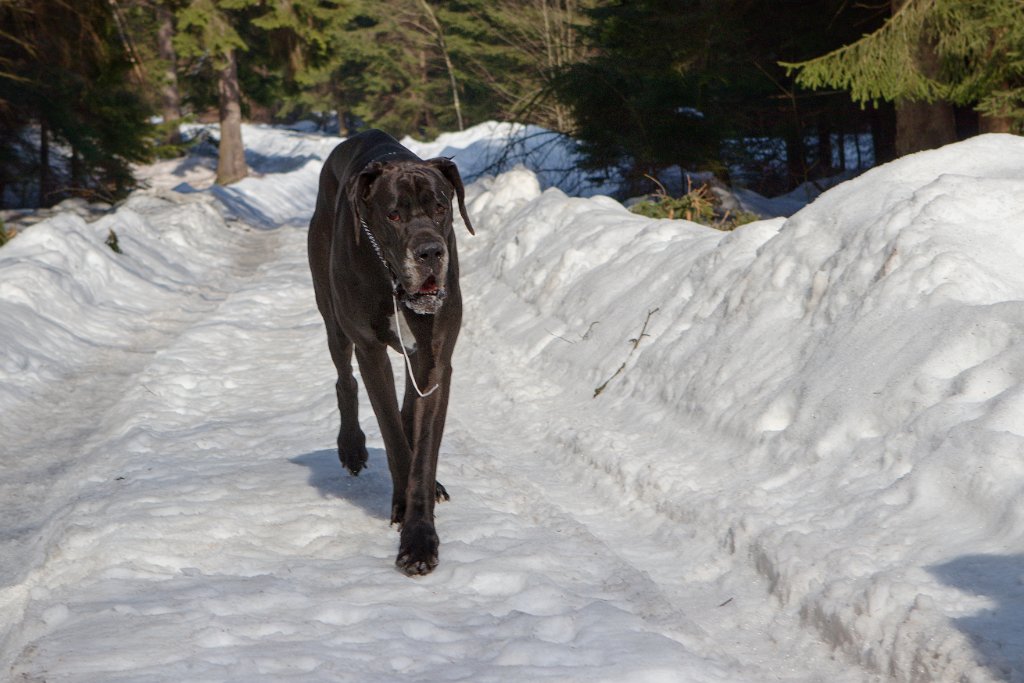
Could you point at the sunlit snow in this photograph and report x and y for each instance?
(811, 467)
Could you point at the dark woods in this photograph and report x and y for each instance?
(71, 114)
(644, 85)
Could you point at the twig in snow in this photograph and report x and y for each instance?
(635, 342)
(583, 337)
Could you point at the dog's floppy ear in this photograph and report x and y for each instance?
(358, 189)
(450, 171)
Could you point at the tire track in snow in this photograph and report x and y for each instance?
(704, 593)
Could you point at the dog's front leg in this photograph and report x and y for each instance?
(409, 418)
(423, 418)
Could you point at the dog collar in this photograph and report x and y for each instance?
(380, 254)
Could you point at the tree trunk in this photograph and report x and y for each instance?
(138, 74)
(170, 99)
(296, 57)
(796, 162)
(447, 61)
(559, 36)
(346, 121)
(77, 171)
(425, 119)
(45, 176)
(923, 125)
(995, 124)
(883, 132)
(825, 147)
(231, 160)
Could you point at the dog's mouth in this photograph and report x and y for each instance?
(429, 287)
(427, 299)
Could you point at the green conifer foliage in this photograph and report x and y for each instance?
(980, 44)
(296, 45)
(206, 30)
(642, 94)
(68, 89)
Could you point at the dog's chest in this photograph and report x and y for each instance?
(401, 335)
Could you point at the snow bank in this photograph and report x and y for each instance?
(62, 288)
(841, 394)
(79, 322)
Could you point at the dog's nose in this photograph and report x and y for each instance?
(428, 251)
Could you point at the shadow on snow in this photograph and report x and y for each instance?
(370, 491)
(997, 633)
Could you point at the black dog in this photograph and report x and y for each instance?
(386, 273)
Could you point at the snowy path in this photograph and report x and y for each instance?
(808, 471)
(207, 532)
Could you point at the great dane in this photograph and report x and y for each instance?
(386, 273)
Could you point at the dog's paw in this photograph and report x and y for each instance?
(417, 554)
(352, 456)
(440, 494)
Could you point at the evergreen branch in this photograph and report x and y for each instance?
(880, 66)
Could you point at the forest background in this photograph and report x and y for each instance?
(767, 94)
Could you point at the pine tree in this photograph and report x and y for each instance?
(697, 84)
(409, 66)
(206, 30)
(170, 96)
(515, 49)
(297, 44)
(978, 59)
(65, 72)
(149, 29)
(393, 64)
(424, 57)
(640, 99)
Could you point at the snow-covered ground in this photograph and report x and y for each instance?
(810, 468)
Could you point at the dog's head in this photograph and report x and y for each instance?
(407, 207)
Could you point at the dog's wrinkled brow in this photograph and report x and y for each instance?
(423, 186)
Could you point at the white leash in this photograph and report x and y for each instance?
(394, 300)
(405, 354)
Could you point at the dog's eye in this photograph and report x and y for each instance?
(440, 209)
(393, 216)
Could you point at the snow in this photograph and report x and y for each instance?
(808, 469)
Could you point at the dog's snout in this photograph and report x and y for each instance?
(429, 251)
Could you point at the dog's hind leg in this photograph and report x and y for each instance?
(351, 440)
(375, 368)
